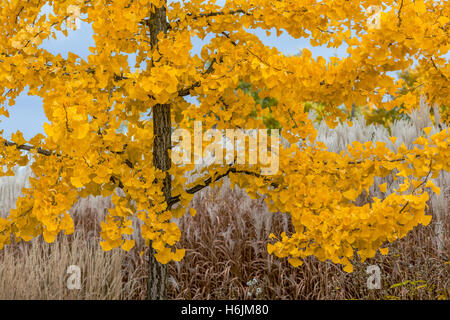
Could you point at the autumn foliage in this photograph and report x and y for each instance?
(87, 102)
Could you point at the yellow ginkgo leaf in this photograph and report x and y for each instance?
(179, 254)
(128, 245)
(430, 184)
(350, 194)
(105, 245)
(49, 237)
(76, 182)
(18, 138)
(348, 268)
(82, 131)
(295, 262)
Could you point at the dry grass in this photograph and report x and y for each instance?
(37, 270)
(226, 249)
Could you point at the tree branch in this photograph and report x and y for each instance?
(399, 15)
(438, 70)
(208, 181)
(419, 186)
(187, 91)
(218, 13)
(26, 147)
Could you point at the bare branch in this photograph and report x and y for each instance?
(400, 14)
(219, 13)
(210, 180)
(27, 148)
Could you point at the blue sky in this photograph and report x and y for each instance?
(27, 114)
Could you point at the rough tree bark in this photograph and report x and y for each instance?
(157, 272)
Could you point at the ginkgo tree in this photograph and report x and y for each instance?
(87, 102)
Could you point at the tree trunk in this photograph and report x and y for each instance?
(157, 272)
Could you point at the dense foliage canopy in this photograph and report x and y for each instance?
(87, 102)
